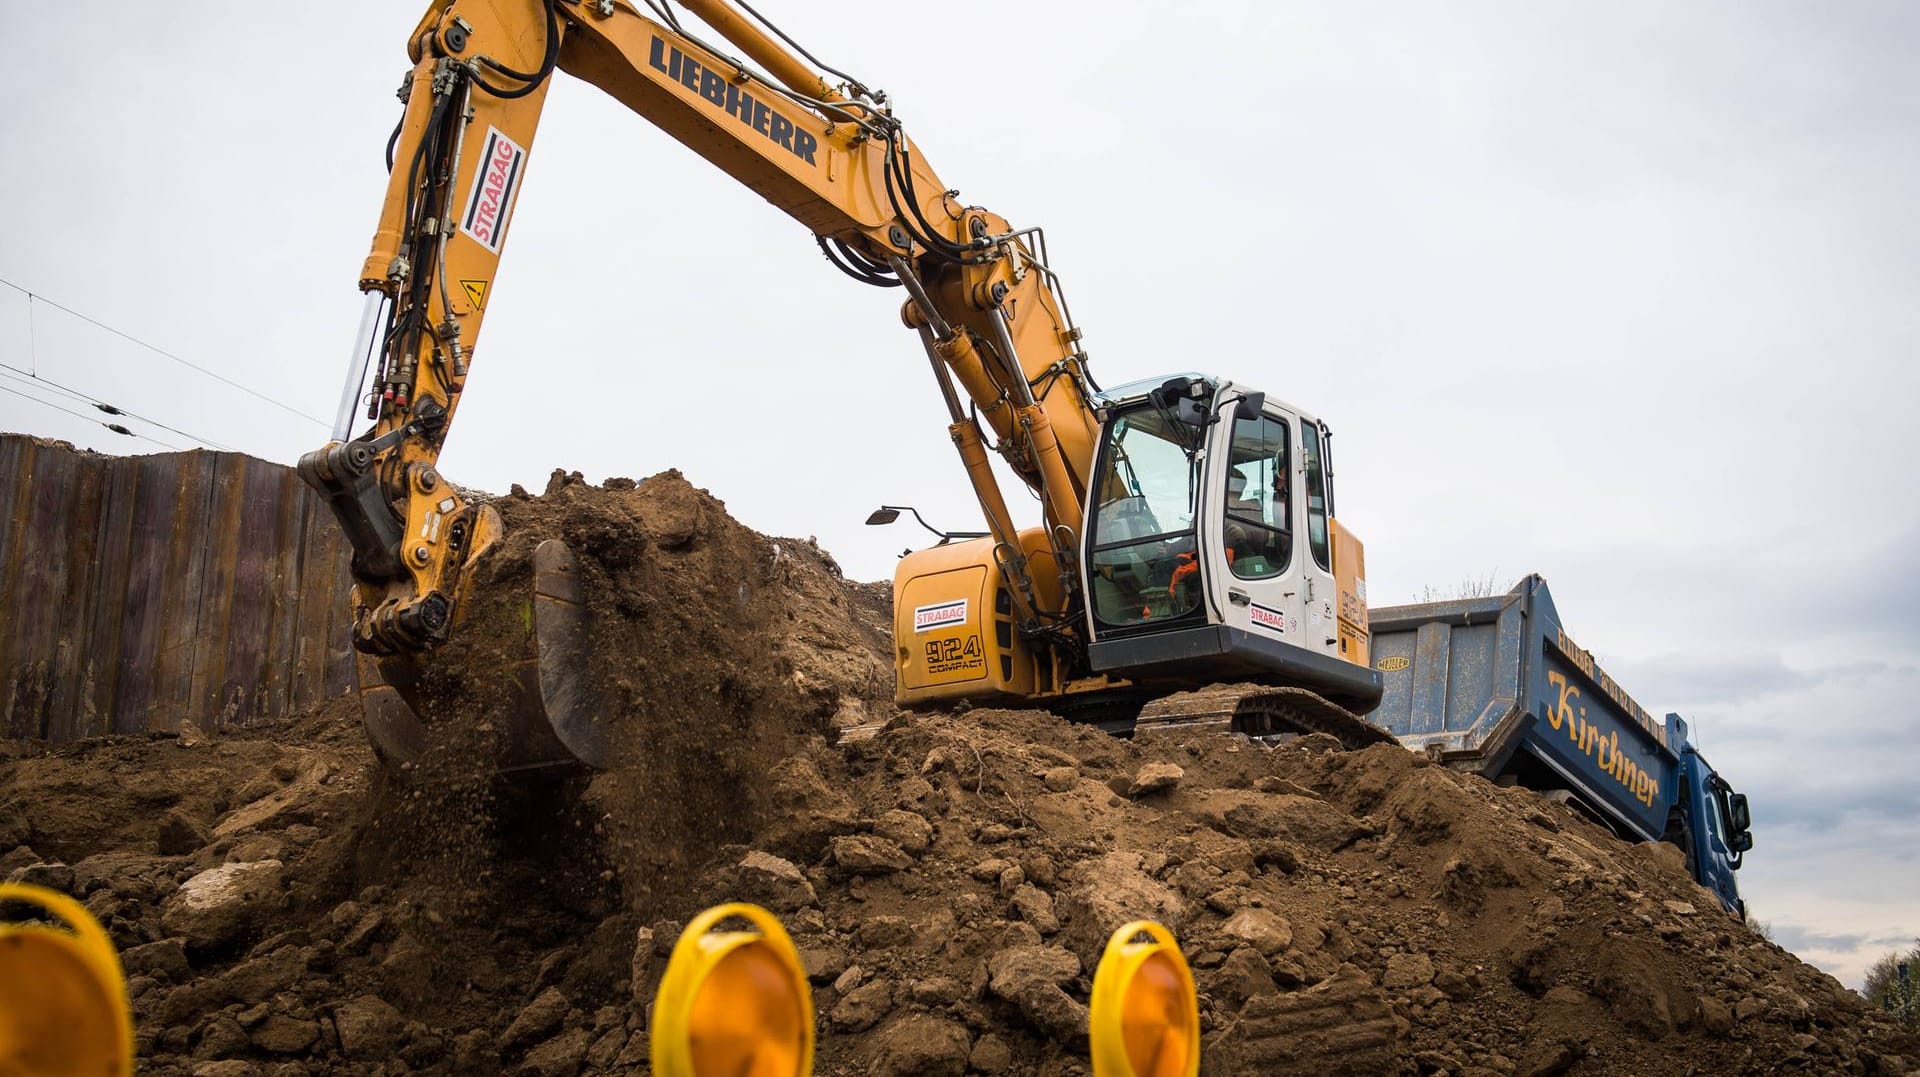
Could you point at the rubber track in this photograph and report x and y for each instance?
(1258, 711)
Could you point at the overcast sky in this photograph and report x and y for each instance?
(1618, 293)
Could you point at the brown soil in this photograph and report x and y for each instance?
(949, 879)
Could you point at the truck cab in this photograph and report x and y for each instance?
(1718, 828)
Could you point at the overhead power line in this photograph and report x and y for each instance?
(44, 383)
(115, 427)
(32, 296)
(101, 405)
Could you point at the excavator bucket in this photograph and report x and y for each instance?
(542, 707)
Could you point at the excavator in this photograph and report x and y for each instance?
(1188, 570)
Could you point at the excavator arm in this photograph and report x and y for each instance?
(1004, 353)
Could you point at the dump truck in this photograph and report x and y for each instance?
(1495, 686)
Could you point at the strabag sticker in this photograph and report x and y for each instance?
(928, 618)
(1267, 618)
(490, 202)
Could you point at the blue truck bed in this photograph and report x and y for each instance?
(1496, 686)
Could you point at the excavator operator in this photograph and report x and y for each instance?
(1240, 538)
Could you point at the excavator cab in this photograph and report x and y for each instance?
(1211, 552)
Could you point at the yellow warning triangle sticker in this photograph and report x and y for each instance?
(476, 293)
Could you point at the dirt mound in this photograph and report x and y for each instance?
(689, 603)
(285, 909)
(716, 650)
(701, 627)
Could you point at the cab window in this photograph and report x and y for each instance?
(1257, 526)
(1714, 823)
(1142, 561)
(1316, 495)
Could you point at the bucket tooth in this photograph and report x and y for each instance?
(550, 712)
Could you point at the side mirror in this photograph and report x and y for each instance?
(1740, 816)
(883, 516)
(1249, 405)
(1741, 842)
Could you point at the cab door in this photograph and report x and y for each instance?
(1314, 480)
(1252, 525)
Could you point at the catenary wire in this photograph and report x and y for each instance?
(87, 418)
(165, 354)
(45, 383)
(104, 406)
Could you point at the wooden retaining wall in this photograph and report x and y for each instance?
(136, 591)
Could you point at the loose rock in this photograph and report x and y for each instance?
(775, 883)
(866, 855)
(1405, 971)
(909, 830)
(864, 1006)
(181, 833)
(220, 904)
(1260, 929)
(369, 1029)
(922, 1045)
(540, 1017)
(1154, 778)
(1030, 978)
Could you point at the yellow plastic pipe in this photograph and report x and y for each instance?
(63, 997)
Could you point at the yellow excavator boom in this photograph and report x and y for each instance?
(832, 156)
(1006, 616)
